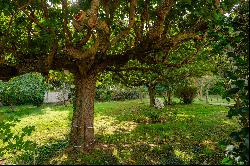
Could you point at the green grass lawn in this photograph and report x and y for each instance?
(128, 132)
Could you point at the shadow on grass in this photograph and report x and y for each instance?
(144, 145)
(28, 110)
(138, 152)
(155, 144)
(21, 111)
(193, 133)
(58, 107)
(160, 137)
(42, 154)
(132, 148)
(103, 154)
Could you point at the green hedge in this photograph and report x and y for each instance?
(117, 95)
(25, 89)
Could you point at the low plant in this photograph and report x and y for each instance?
(186, 94)
(103, 94)
(25, 89)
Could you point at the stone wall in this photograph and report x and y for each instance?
(55, 97)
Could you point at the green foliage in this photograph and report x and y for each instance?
(25, 89)
(103, 94)
(122, 95)
(154, 115)
(227, 161)
(161, 88)
(186, 93)
(218, 88)
(14, 142)
(2, 85)
(58, 80)
(118, 94)
(231, 42)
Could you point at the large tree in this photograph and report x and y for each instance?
(84, 37)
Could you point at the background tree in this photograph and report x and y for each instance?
(182, 63)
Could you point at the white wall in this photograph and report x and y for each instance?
(55, 97)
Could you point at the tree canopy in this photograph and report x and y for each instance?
(105, 33)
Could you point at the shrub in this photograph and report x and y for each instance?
(186, 94)
(123, 95)
(103, 94)
(25, 89)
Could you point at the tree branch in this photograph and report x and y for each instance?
(106, 4)
(139, 27)
(67, 32)
(45, 9)
(32, 17)
(135, 82)
(82, 54)
(135, 68)
(161, 13)
(88, 18)
(133, 4)
(51, 55)
(85, 39)
(187, 60)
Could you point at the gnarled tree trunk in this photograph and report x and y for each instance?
(82, 129)
(151, 91)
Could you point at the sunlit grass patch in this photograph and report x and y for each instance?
(109, 125)
(183, 155)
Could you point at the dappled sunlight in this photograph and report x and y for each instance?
(115, 153)
(59, 159)
(47, 109)
(140, 143)
(109, 125)
(127, 126)
(104, 125)
(209, 144)
(57, 125)
(183, 155)
(228, 122)
(183, 117)
(45, 136)
(29, 106)
(130, 133)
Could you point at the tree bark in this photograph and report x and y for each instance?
(169, 95)
(201, 91)
(207, 95)
(82, 129)
(151, 91)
